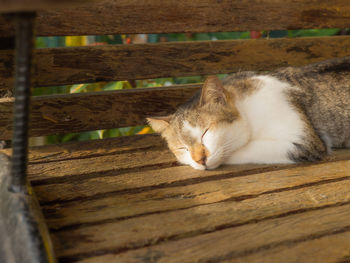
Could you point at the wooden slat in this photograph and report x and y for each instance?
(240, 242)
(60, 66)
(51, 187)
(328, 248)
(91, 148)
(102, 164)
(6, 71)
(157, 16)
(145, 230)
(94, 111)
(35, 5)
(117, 206)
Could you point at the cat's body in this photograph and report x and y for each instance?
(290, 115)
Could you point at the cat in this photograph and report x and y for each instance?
(293, 114)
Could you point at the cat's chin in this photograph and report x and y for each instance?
(202, 167)
(212, 167)
(198, 167)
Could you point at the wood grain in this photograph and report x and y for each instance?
(233, 243)
(61, 66)
(173, 197)
(11, 6)
(329, 248)
(100, 164)
(113, 109)
(115, 183)
(114, 237)
(91, 148)
(154, 16)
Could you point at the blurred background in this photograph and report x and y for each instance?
(71, 41)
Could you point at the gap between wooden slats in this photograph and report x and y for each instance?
(157, 16)
(61, 66)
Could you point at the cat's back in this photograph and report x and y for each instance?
(323, 94)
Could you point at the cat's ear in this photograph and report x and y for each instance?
(159, 124)
(213, 92)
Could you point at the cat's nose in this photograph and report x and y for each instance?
(202, 160)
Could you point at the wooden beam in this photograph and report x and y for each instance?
(95, 111)
(157, 16)
(60, 66)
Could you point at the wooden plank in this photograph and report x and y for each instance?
(237, 219)
(107, 184)
(116, 206)
(61, 66)
(6, 71)
(236, 242)
(329, 248)
(91, 148)
(112, 109)
(89, 167)
(153, 16)
(73, 189)
(12, 6)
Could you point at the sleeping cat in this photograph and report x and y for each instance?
(289, 115)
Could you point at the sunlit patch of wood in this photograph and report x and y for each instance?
(112, 202)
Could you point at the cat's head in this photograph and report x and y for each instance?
(206, 130)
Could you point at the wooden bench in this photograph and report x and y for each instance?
(126, 199)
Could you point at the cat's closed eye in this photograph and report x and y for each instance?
(182, 149)
(203, 135)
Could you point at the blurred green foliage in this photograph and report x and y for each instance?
(45, 42)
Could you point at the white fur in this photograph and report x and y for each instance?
(274, 124)
(185, 158)
(222, 142)
(195, 132)
(264, 134)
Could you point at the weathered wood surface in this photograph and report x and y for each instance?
(144, 219)
(60, 66)
(157, 16)
(120, 205)
(10, 6)
(53, 183)
(91, 148)
(55, 187)
(231, 242)
(95, 111)
(99, 212)
(332, 247)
